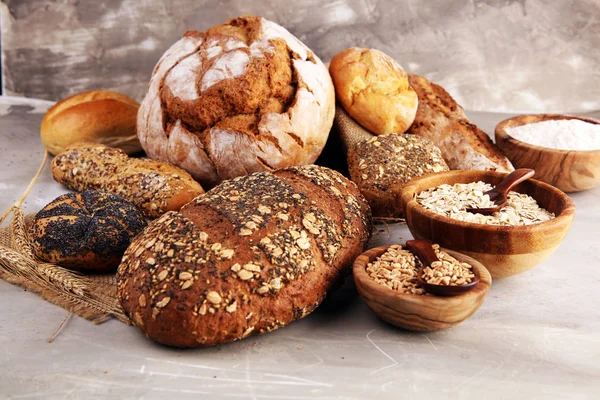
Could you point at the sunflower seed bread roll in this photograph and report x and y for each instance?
(154, 187)
(252, 255)
(382, 165)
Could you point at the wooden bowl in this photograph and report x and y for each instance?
(568, 170)
(416, 312)
(504, 250)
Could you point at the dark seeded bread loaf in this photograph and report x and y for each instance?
(381, 165)
(87, 231)
(155, 187)
(251, 255)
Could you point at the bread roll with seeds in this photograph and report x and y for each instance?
(251, 255)
(154, 187)
(86, 231)
(381, 166)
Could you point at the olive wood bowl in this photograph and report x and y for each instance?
(504, 250)
(568, 170)
(419, 312)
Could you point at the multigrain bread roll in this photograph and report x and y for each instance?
(87, 231)
(251, 255)
(382, 165)
(374, 90)
(154, 187)
(242, 97)
(441, 120)
(98, 116)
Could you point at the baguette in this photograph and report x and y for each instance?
(252, 255)
(440, 119)
(154, 187)
(98, 116)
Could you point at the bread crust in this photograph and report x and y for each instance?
(86, 231)
(234, 100)
(440, 119)
(98, 116)
(382, 165)
(374, 90)
(252, 255)
(154, 187)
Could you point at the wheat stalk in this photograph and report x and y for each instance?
(21, 241)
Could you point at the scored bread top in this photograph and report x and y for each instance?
(233, 100)
(253, 254)
(440, 119)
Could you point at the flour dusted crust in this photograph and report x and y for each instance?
(252, 255)
(242, 97)
(440, 119)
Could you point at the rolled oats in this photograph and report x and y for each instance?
(452, 201)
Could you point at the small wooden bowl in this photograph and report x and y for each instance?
(416, 312)
(568, 170)
(504, 250)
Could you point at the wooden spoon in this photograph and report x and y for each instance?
(499, 194)
(423, 250)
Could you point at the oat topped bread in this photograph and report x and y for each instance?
(388, 161)
(154, 187)
(252, 255)
(242, 97)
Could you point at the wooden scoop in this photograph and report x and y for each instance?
(499, 194)
(423, 250)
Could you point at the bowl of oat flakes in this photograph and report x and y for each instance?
(386, 279)
(520, 236)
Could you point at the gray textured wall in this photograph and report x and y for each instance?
(503, 55)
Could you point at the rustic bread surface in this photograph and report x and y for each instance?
(440, 119)
(242, 97)
(153, 186)
(252, 255)
(388, 161)
(86, 231)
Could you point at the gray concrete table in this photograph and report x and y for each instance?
(536, 336)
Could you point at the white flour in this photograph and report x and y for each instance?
(564, 134)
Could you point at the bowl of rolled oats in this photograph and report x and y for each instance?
(386, 278)
(535, 220)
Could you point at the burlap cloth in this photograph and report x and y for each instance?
(93, 297)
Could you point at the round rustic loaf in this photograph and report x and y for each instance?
(87, 231)
(242, 97)
(374, 90)
(253, 254)
(382, 165)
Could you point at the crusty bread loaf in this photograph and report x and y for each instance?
(251, 255)
(154, 187)
(242, 97)
(382, 165)
(374, 90)
(440, 119)
(87, 231)
(98, 116)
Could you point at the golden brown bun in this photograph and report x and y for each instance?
(374, 90)
(154, 187)
(98, 116)
(86, 231)
(441, 120)
(242, 97)
(389, 161)
(252, 255)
